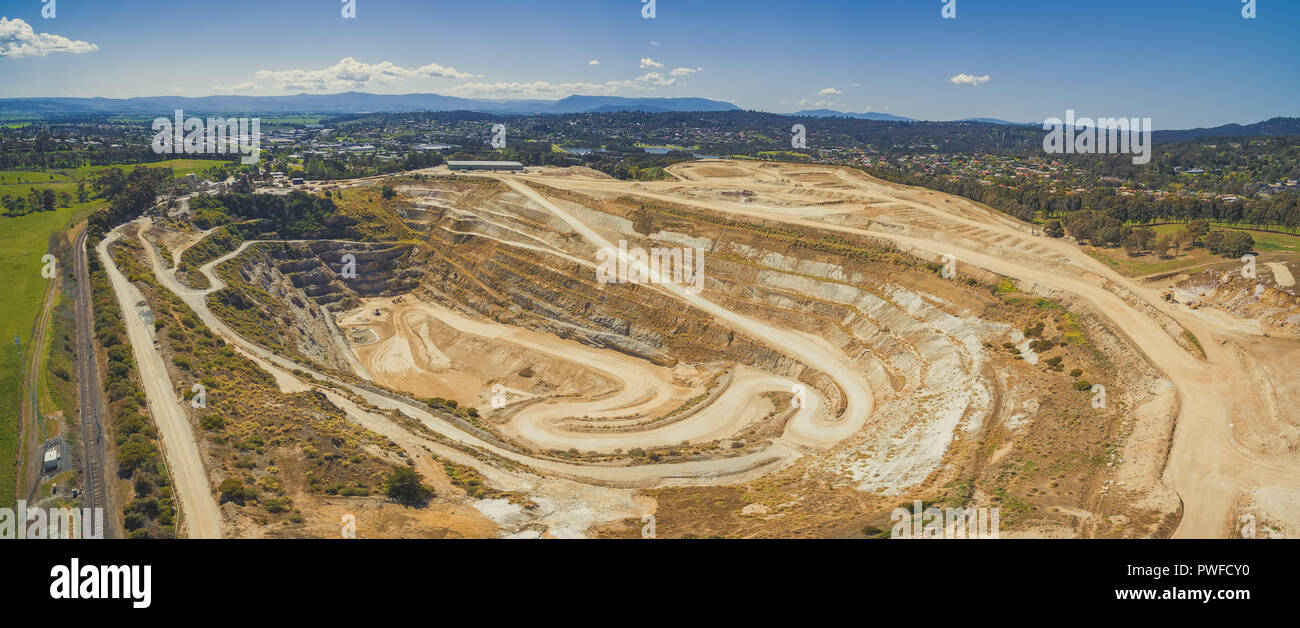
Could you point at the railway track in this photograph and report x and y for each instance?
(95, 491)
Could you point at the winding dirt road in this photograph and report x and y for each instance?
(1207, 466)
(724, 470)
(613, 422)
(806, 428)
(202, 517)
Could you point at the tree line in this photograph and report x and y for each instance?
(1031, 200)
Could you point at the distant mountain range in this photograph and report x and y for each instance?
(1273, 127)
(886, 117)
(830, 113)
(997, 121)
(352, 102)
(361, 102)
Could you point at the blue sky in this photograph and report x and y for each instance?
(1183, 63)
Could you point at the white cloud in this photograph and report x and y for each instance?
(655, 78)
(352, 74)
(18, 39)
(654, 43)
(177, 90)
(967, 79)
(349, 74)
(829, 91)
(238, 87)
(820, 104)
(435, 70)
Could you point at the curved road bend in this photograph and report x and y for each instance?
(696, 472)
(1207, 466)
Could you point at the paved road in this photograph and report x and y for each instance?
(92, 402)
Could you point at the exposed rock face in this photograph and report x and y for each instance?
(283, 294)
(335, 273)
(926, 347)
(1277, 310)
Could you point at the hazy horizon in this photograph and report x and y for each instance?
(509, 100)
(1185, 65)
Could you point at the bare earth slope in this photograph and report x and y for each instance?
(816, 282)
(1208, 467)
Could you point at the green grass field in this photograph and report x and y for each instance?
(1265, 241)
(1150, 264)
(25, 179)
(19, 182)
(301, 120)
(23, 241)
(63, 304)
(781, 154)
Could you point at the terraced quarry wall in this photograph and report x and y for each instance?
(285, 451)
(278, 293)
(980, 389)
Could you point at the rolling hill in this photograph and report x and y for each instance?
(350, 102)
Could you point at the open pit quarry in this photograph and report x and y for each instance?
(851, 346)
